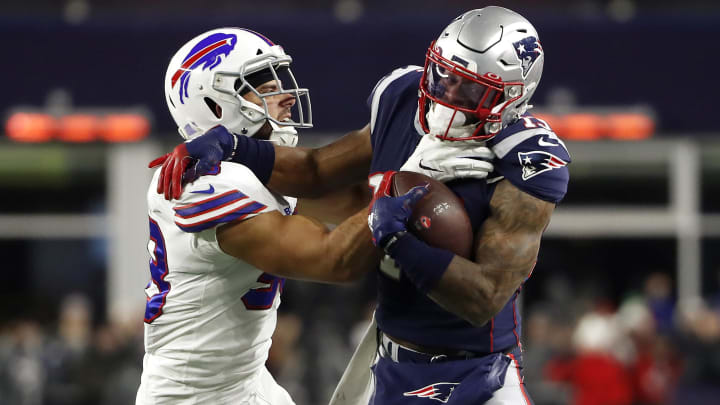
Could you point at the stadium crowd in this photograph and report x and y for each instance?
(581, 348)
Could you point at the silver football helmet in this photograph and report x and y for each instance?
(479, 74)
(207, 78)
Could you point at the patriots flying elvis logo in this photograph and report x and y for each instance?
(438, 391)
(536, 162)
(207, 54)
(528, 50)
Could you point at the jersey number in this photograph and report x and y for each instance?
(534, 122)
(158, 272)
(263, 298)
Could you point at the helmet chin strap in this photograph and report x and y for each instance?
(445, 121)
(283, 135)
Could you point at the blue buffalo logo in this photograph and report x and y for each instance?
(536, 162)
(206, 54)
(528, 50)
(438, 391)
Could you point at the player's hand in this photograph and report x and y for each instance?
(389, 215)
(192, 159)
(448, 160)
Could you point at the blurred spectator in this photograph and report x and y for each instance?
(655, 366)
(593, 372)
(658, 293)
(700, 345)
(655, 372)
(286, 360)
(66, 354)
(714, 299)
(115, 363)
(22, 372)
(79, 364)
(548, 337)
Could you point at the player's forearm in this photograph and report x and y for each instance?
(301, 247)
(478, 291)
(295, 173)
(336, 207)
(349, 251)
(312, 173)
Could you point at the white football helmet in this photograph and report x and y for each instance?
(485, 66)
(207, 77)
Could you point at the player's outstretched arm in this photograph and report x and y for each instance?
(305, 172)
(299, 247)
(335, 207)
(299, 172)
(506, 251)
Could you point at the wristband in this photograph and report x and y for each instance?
(423, 264)
(257, 155)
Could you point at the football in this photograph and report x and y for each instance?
(439, 218)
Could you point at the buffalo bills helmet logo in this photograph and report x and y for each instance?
(438, 391)
(536, 162)
(207, 54)
(528, 50)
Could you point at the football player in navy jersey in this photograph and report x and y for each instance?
(448, 328)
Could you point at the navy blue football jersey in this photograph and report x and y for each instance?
(528, 154)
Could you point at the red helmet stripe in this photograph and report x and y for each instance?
(194, 58)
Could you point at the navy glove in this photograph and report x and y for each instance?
(192, 159)
(200, 156)
(389, 215)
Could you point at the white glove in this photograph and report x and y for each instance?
(448, 160)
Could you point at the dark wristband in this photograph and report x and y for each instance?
(257, 155)
(423, 264)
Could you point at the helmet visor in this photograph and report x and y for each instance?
(448, 86)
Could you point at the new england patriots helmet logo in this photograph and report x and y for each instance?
(206, 54)
(528, 50)
(536, 162)
(438, 391)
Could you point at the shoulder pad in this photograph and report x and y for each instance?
(533, 158)
(395, 83)
(234, 193)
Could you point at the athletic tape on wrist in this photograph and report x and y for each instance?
(257, 155)
(423, 264)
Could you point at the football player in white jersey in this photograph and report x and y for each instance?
(220, 251)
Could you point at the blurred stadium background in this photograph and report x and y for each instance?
(622, 308)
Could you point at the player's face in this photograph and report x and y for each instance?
(458, 91)
(279, 106)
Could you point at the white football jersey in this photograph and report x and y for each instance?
(209, 316)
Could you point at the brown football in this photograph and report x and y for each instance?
(439, 218)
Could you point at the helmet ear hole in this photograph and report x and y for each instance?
(214, 107)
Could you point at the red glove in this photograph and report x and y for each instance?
(383, 188)
(173, 166)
